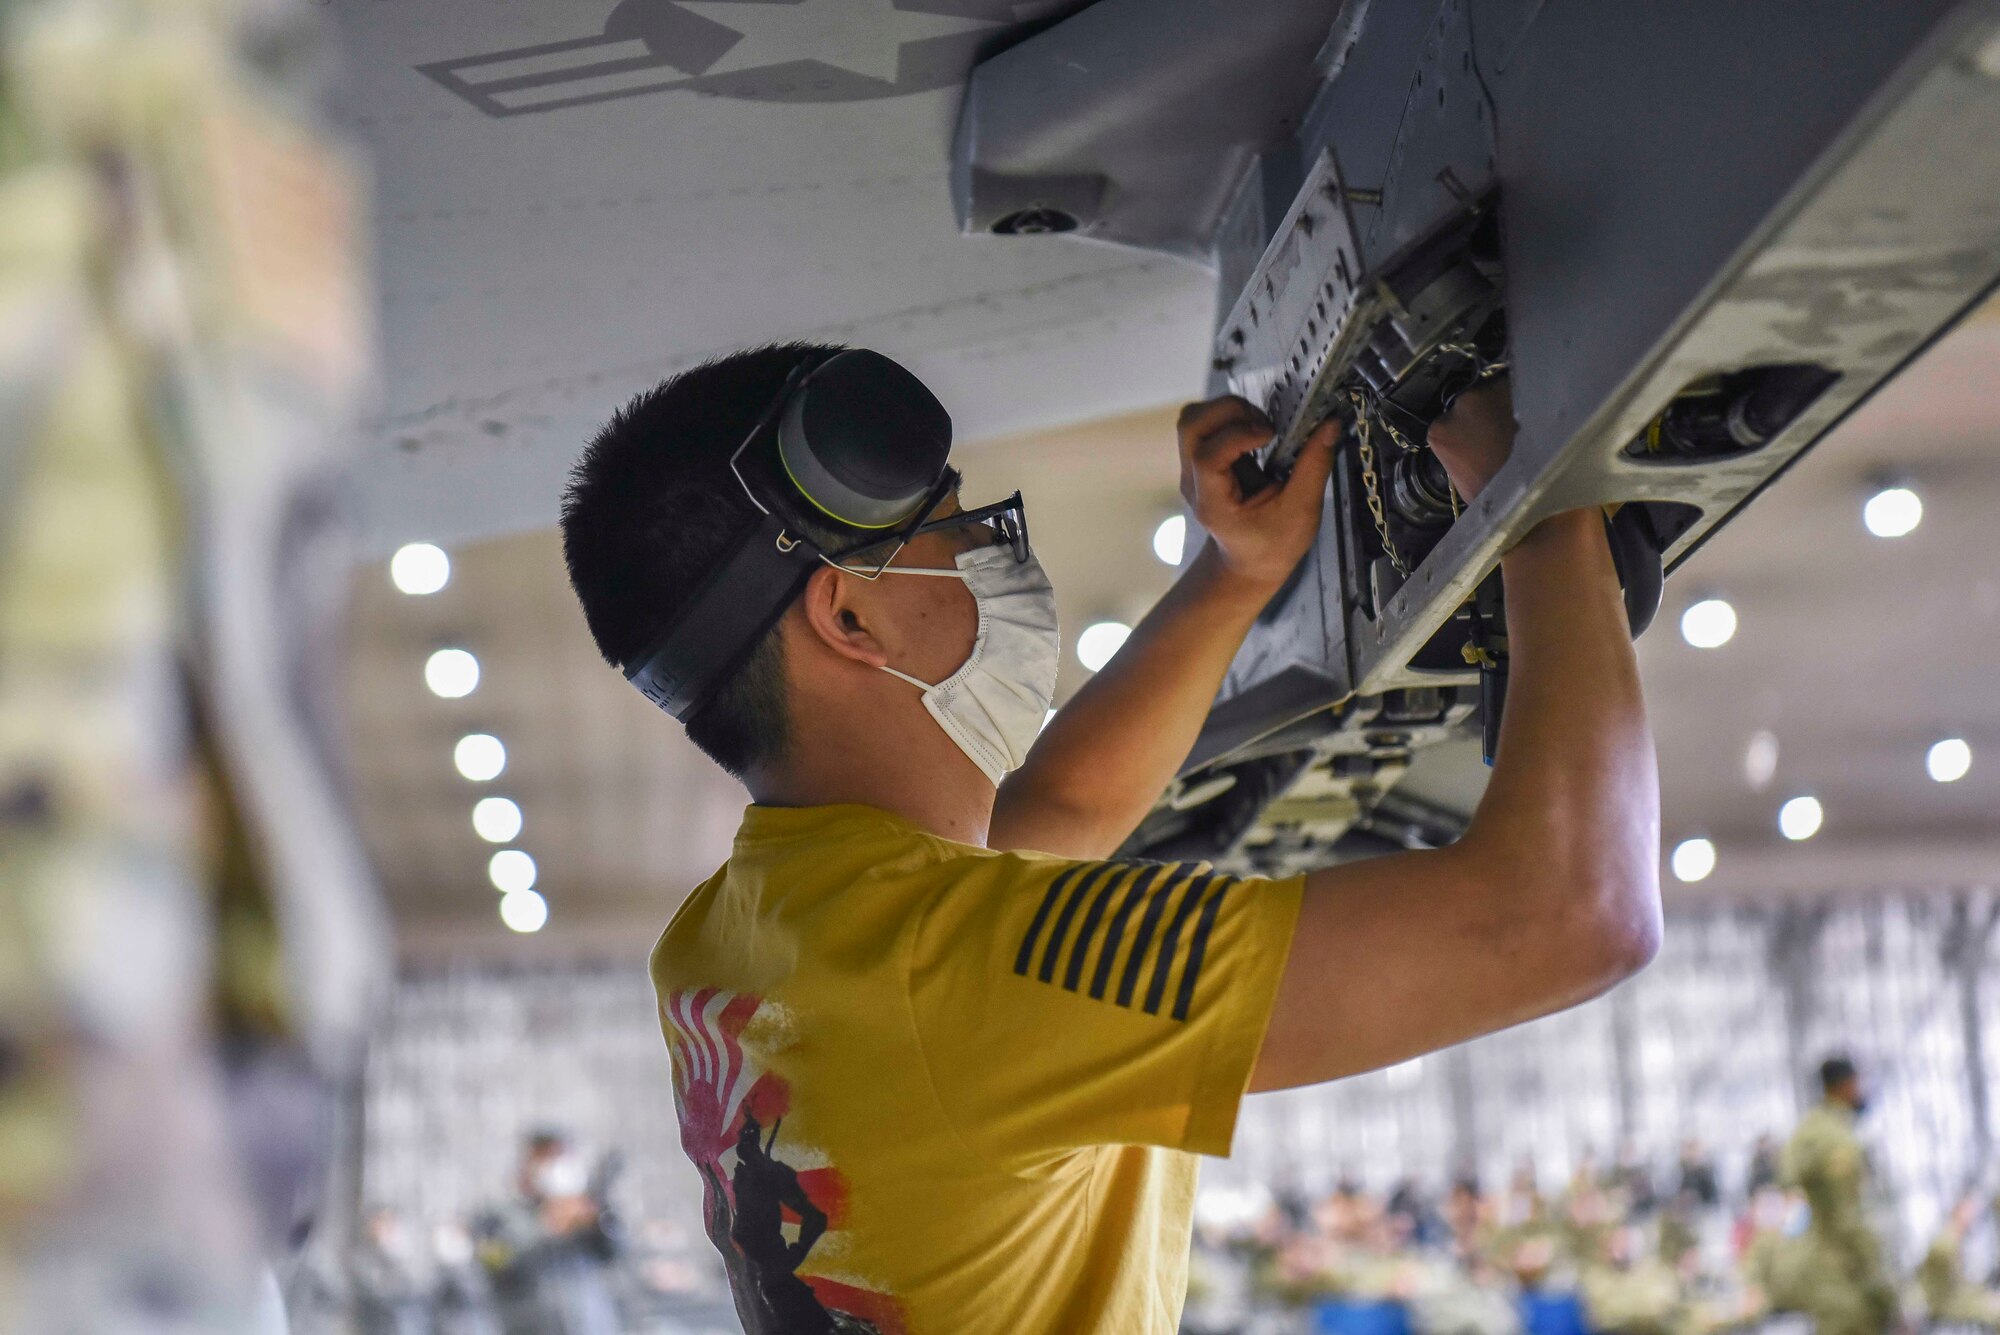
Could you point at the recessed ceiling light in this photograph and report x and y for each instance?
(479, 756)
(1800, 818)
(1099, 641)
(1760, 759)
(524, 910)
(451, 673)
(1170, 539)
(1893, 512)
(1949, 760)
(1693, 860)
(420, 567)
(1987, 58)
(496, 819)
(1708, 624)
(510, 870)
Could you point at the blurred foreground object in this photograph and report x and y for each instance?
(190, 940)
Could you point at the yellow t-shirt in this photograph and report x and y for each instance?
(933, 1089)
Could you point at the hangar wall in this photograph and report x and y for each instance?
(1711, 1042)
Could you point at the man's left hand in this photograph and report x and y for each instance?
(1262, 537)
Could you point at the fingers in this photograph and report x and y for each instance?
(1214, 434)
(1314, 464)
(1223, 447)
(1200, 418)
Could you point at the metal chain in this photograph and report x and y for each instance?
(1396, 437)
(1482, 368)
(1366, 417)
(1371, 483)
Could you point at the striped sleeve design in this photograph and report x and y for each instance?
(1130, 933)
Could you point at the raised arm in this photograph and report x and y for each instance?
(1552, 895)
(1114, 747)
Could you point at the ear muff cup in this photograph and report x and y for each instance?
(863, 440)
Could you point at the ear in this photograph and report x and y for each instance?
(838, 619)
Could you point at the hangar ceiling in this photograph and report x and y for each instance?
(574, 198)
(1854, 652)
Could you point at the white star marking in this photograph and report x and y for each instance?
(858, 35)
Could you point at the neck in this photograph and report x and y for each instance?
(882, 751)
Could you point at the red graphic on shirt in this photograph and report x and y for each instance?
(732, 1112)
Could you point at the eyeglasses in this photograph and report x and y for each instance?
(1006, 521)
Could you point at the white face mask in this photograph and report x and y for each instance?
(565, 1175)
(994, 706)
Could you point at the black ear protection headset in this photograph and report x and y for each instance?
(852, 442)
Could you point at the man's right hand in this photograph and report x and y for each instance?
(565, 1215)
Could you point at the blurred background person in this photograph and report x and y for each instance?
(1697, 1174)
(1845, 1282)
(1949, 1298)
(549, 1248)
(461, 1294)
(392, 1282)
(1626, 1291)
(1762, 1170)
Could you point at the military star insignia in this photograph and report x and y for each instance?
(862, 36)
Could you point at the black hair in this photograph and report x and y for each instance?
(651, 506)
(1835, 1072)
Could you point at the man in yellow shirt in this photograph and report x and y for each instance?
(942, 1060)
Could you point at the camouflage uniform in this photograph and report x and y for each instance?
(1845, 1287)
(1642, 1298)
(1777, 1268)
(1947, 1295)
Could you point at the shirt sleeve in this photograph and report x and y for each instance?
(1059, 1005)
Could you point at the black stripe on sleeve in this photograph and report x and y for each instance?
(1057, 934)
(1134, 892)
(1163, 962)
(1041, 916)
(1080, 952)
(1198, 947)
(1147, 926)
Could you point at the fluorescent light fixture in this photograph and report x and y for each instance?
(1170, 539)
(1949, 760)
(1800, 818)
(496, 819)
(1893, 512)
(1693, 860)
(1709, 624)
(511, 871)
(1099, 641)
(479, 756)
(419, 568)
(524, 910)
(451, 673)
